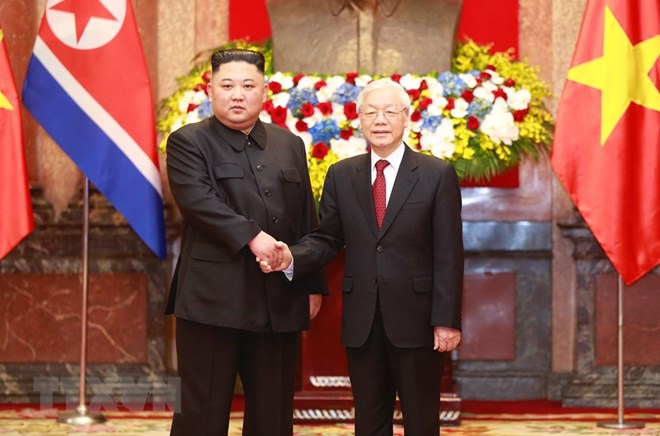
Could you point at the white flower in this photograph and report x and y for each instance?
(348, 148)
(408, 81)
(283, 79)
(435, 88)
(192, 117)
(440, 142)
(495, 77)
(469, 80)
(460, 108)
(363, 80)
(281, 99)
(518, 100)
(265, 117)
(307, 82)
(499, 124)
(484, 94)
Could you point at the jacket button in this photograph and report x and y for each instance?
(260, 167)
(374, 280)
(276, 220)
(379, 249)
(267, 192)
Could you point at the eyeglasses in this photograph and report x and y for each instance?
(389, 114)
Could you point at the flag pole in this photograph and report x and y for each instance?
(82, 416)
(620, 424)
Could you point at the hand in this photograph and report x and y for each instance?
(445, 339)
(287, 258)
(263, 247)
(315, 301)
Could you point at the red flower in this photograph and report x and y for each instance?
(413, 93)
(472, 123)
(325, 107)
(423, 85)
(275, 87)
(395, 77)
(500, 93)
(483, 76)
(520, 115)
(320, 84)
(468, 95)
(415, 116)
(425, 103)
(491, 67)
(450, 104)
(301, 126)
(320, 150)
(350, 110)
(268, 106)
(510, 83)
(206, 77)
(350, 78)
(307, 110)
(297, 78)
(347, 133)
(191, 107)
(199, 87)
(278, 115)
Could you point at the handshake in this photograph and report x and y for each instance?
(271, 254)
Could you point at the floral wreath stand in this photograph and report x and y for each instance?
(483, 117)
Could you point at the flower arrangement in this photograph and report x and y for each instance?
(483, 116)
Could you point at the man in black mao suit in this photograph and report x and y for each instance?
(237, 181)
(403, 277)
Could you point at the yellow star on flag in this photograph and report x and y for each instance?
(622, 74)
(4, 102)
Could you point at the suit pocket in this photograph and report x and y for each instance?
(291, 175)
(423, 284)
(228, 171)
(347, 285)
(210, 253)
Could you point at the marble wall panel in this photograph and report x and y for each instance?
(42, 314)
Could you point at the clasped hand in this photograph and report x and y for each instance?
(280, 260)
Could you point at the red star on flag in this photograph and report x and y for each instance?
(84, 11)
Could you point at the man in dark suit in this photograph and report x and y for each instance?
(237, 181)
(398, 213)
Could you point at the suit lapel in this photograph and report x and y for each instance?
(406, 179)
(362, 186)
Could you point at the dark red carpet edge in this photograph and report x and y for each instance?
(541, 407)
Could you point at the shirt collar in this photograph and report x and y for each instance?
(394, 158)
(236, 138)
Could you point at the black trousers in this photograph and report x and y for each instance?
(209, 358)
(379, 370)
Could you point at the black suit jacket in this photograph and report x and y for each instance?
(413, 265)
(227, 191)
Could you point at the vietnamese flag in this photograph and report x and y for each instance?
(606, 150)
(16, 220)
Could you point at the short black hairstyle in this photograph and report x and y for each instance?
(237, 55)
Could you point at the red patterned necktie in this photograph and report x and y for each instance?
(379, 191)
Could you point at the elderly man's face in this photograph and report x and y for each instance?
(384, 132)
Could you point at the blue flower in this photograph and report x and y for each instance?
(479, 108)
(204, 109)
(300, 96)
(325, 130)
(346, 92)
(431, 122)
(452, 84)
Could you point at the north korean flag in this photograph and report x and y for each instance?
(88, 86)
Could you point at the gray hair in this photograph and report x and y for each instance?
(381, 84)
